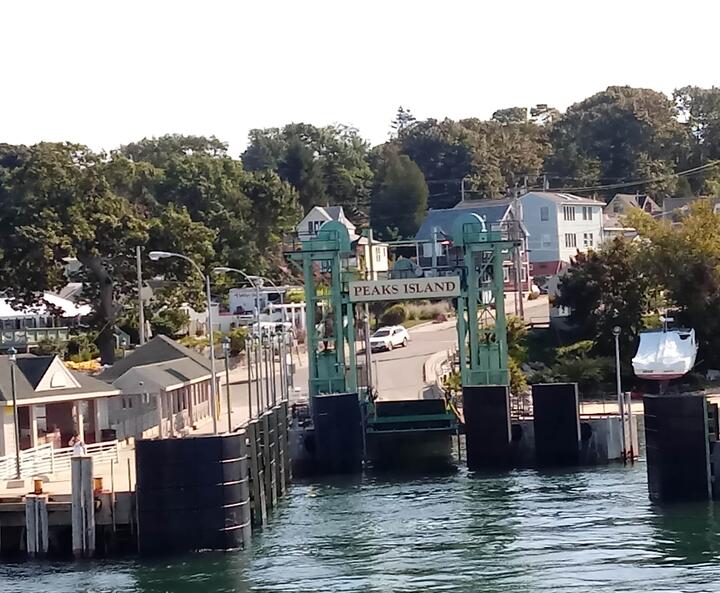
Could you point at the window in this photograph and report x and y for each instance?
(311, 227)
(544, 213)
(569, 212)
(616, 207)
(587, 239)
(523, 274)
(587, 212)
(570, 240)
(546, 241)
(506, 274)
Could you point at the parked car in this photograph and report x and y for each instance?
(387, 338)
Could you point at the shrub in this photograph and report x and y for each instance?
(394, 315)
(518, 381)
(48, 346)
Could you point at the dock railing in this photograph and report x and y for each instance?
(45, 459)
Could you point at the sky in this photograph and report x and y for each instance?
(108, 72)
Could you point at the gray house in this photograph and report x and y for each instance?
(434, 237)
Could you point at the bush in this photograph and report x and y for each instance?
(295, 295)
(82, 347)
(394, 315)
(518, 381)
(48, 347)
(237, 340)
(170, 322)
(424, 310)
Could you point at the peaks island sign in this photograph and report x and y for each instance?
(404, 289)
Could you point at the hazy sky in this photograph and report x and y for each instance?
(106, 72)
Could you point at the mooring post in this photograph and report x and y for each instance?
(83, 507)
(36, 525)
(267, 459)
(275, 454)
(282, 447)
(245, 514)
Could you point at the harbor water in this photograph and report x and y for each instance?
(581, 531)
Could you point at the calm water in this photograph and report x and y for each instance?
(525, 531)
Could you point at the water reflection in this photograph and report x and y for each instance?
(563, 531)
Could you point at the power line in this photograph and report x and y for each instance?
(686, 173)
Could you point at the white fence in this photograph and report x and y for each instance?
(45, 459)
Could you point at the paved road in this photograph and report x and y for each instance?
(399, 372)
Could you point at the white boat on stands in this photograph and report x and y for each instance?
(665, 354)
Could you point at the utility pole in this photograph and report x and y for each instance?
(141, 306)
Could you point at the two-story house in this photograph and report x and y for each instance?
(620, 206)
(373, 264)
(434, 237)
(559, 226)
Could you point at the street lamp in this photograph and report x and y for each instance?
(253, 280)
(621, 405)
(157, 255)
(12, 356)
(226, 351)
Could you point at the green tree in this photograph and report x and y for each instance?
(324, 165)
(619, 134)
(700, 109)
(511, 115)
(606, 288)
(400, 197)
(684, 259)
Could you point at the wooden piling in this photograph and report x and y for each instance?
(83, 507)
(36, 525)
(267, 458)
(257, 488)
(284, 445)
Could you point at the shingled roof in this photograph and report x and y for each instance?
(30, 372)
(160, 349)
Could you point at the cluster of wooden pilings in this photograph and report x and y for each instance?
(269, 461)
(87, 522)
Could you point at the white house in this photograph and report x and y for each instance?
(559, 226)
(372, 264)
(308, 227)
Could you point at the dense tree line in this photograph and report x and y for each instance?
(61, 200)
(616, 136)
(176, 193)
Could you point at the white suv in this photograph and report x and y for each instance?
(387, 338)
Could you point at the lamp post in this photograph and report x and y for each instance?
(621, 405)
(157, 255)
(226, 352)
(12, 356)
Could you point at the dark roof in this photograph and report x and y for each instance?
(333, 211)
(493, 211)
(163, 375)
(25, 390)
(159, 349)
(672, 204)
(34, 367)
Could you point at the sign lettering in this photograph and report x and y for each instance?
(404, 289)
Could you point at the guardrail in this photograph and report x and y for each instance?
(45, 459)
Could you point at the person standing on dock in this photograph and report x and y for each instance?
(78, 446)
